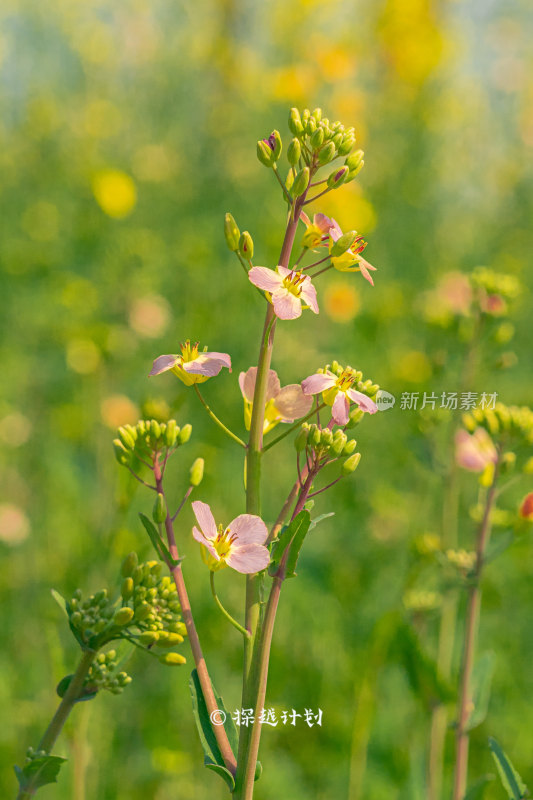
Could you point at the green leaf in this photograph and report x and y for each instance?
(61, 602)
(498, 545)
(481, 682)
(158, 543)
(87, 693)
(316, 520)
(422, 670)
(291, 538)
(477, 790)
(212, 756)
(39, 771)
(511, 780)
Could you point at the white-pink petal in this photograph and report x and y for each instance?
(292, 403)
(286, 305)
(284, 272)
(205, 518)
(162, 364)
(204, 364)
(265, 278)
(247, 384)
(249, 558)
(323, 222)
(340, 411)
(364, 266)
(318, 383)
(308, 294)
(248, 528)
(364, 402)
(198, 535)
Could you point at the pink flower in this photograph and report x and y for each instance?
(474, 451)
(316, 231)
(351, 260)
(282, 404)
(241, 545)
(338, 392)
(286, 289)
(192, 366)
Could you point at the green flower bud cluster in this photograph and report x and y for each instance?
(103, 674)
(462, 560)
(420, 600)
(367, 387)
(509, 426)
(92, 619)
(147, 437)
(326, 141)
(327, 445)
(496, 283)
(32, 754)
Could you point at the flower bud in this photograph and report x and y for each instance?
(301, 182)
(346, 145)
(123, 616)
(170, 640)
(122, 454)
(159, 511)
(127, 588)
(264, 153)
(356, 415)
(326, 437)
(351, 464)
(126, 438)
(185, 434)
(301, 439)
(317, 138)
(246, 246)
(339, 442)
(310, 126)
(315, 435)
(148, 638)
(171, 433)
(129, 564)
(295, 122)
(294, 151)
(354, 172)
(275, 138)
(353, 161)
(142, 612)
(231, 232)
(317, 114)
(196, 473)
(343, 243)
(326, 154)
(155, 432)
(305, 116)
(172, 659)
(338, 177)
(349, 447)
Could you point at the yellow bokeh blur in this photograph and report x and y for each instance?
(115, 192)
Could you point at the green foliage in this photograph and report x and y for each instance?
(287, 547)
(39, 771)
(511, 780)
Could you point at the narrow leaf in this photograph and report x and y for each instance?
(316, 520)
(291, 538)
(511, 780)
(158, 543)
(61, 602)
(481, 682)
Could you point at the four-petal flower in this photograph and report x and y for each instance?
(191, 366)
(241, 545)
(337, 393)
(286, 289)
(283, 404)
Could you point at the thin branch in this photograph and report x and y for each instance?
(216, 419)
(148, 485)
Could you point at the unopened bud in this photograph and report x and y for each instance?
(172, 659)
(265, 154)
(317, 138)
(148, 638)
(170, 640)
(143, 611)
(326, 154)
(351, 464)
(231, 232)
(123, 616)
(346, 145)
(185, 434)
(171, 433)
(317, 114)
(295, 122)
(129, 564)
(159, 511)
(122, 454)
(275, 138)
(246, 246)
(301, 182)
(339, 442)
(196, 473)
(126, 438)
(127, 588)
(349, 447)
(294, 151)
(338, 177)
(315, 435)
(343, 243)
(353, 161)
(301, 439)
(326, 437)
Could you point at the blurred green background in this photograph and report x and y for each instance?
(126, 131)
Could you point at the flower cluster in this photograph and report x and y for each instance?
(240, 545)
(148, 437)
(327, 445)
(104, 674)
(339, 387)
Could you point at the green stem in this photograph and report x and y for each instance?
(216, 419)
(221, 607)
(63, 710)
(320, 271)
(292, 428)
(285, 190)
(252, 646)
(470, 635)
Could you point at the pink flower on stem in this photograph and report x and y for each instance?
(191, 366)
(286, 289)
(338, 393)
(351, 260)
(316, 231)
(283, 404)
(241, 545)
(475, 451)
